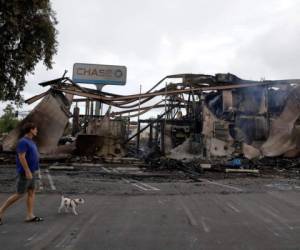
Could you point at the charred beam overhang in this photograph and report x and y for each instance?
(36, 98)
(54, 81)
(150, 123)
(72, 90)
(53, 92)
(144, 108)
(191, 83)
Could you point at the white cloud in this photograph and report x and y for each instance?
(155, 38)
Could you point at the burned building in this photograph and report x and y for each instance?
(215, 116)
(229, 117)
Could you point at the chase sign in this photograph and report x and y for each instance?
(99, 74)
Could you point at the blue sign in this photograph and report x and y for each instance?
(99, 74)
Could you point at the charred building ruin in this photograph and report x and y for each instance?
(205, 116)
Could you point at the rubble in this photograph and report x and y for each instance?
(207, 122)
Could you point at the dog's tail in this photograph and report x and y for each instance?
(62, 195)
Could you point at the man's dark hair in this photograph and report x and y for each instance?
(27, 127)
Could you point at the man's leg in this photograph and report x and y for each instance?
(11, 200)
(30, 203)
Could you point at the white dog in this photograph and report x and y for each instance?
(67, 203)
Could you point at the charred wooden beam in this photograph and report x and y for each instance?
(150, 123)
(110, 100)
(36, 98)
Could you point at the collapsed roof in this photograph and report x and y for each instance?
(229, 115)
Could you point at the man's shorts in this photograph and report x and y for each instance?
(23, 184)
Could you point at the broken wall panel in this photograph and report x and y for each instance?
(227, 100)
(283, 134)
(251, 128)
(218, 148)
(107, 127)
(276, 100)
(250, 101)
(103, 138)
(51, 116)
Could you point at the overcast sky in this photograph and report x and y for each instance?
(154, 38)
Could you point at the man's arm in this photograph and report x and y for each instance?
(24, 164)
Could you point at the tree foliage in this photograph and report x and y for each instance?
(27, 36)
(8, 120)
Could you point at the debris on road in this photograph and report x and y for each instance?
(248, 171)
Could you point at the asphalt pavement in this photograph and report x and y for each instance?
(149, 213)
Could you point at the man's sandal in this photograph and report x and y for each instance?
(35, 219)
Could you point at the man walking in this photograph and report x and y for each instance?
(27, 160)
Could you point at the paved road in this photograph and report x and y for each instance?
(235, 221)
(160, 215)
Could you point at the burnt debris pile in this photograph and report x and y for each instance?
(204, 122)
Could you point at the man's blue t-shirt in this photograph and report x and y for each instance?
(28, 146)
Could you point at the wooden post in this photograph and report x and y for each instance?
(75, 127)
(92, 108)
(162, 137)
(138, 138)
(150, 142)
(87, 107)
(156, 133)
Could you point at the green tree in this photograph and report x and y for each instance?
(27, 36)
(8, 120)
